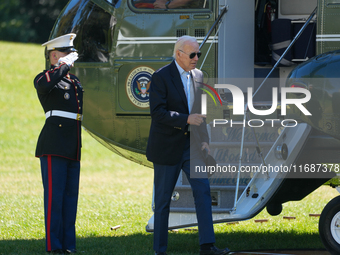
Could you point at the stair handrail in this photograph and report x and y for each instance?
(245, 118)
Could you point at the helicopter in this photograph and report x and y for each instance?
(268, 154)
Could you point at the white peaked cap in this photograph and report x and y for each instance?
(64, 41)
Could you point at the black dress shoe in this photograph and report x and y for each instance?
(70, 251)
(59, 251)
(160, 253)
(214, 251)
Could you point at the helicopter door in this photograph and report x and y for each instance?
(237, 32)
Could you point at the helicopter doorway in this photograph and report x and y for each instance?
(231, 62)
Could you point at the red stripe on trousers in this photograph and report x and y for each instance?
(49, 208)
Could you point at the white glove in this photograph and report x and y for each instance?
(69, 58)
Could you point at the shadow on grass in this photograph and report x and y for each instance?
(179, 243)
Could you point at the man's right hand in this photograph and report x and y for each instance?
(196, 119)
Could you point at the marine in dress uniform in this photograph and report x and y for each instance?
(59, 143)
(174, 107)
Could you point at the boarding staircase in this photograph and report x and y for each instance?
(225, 142)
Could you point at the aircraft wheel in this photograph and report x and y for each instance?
(329, 226)
(274, 209)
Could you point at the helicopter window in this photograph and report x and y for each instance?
(94, 28)
(95, 34)
(174, 4)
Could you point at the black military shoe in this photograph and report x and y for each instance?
(160, 253)
(214, 251)
(59, 251)
(70, 251)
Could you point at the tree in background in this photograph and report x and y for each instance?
(28, 20)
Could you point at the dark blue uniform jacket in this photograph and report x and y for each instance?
(59, 90)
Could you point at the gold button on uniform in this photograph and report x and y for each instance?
(185, 133)
(60, 125)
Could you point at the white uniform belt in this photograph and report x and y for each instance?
(69, 115)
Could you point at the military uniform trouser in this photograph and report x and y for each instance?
(60, 178)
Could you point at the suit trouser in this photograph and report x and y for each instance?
(60, 178)
(165, 178)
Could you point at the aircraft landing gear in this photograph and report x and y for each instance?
(274, 209)
(329, 226)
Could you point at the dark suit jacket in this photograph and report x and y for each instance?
(59, 90)
(169, 114)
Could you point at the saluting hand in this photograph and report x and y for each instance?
(196, 119)
(69, 59)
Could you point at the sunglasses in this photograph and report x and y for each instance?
(193, 54)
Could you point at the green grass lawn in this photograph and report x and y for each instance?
(113, 190)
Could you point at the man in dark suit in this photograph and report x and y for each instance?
(59, 143)
(178, 135)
